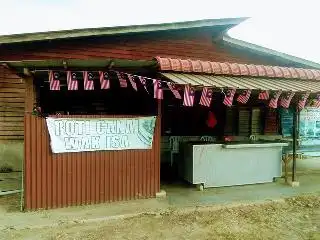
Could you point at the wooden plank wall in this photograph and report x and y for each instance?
(193, 44)
(61, 180)
(11, 105)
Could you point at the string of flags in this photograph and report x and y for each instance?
(275, 97)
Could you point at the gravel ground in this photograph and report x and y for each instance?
(294, 218)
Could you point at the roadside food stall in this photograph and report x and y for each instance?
(96, 134)
(238, 138)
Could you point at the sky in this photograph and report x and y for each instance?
(287, 26)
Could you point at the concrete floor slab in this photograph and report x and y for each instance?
(188, 196)
(308, 164)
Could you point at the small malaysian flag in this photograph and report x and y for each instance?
(72, 80)
(302, 101)
(206, 97)
(263, 95)
(88, 78)
(122, 79)
(158, 92)
(316, 101)
(143, 82)
(188, 97)
(285, 100)
(54, 81)
(132, 81)
(228, 98)
(174, 90)
(104, 80)
(244, 96)
(274, 99)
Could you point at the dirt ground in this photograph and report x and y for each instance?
(294, 218)
(10, 203)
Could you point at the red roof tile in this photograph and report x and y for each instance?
(225, 68)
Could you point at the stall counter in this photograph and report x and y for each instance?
(230, 164)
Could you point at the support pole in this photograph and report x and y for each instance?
(294, 145)
(159, 106)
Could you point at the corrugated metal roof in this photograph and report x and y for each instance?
(107, 31)
(235, 69)
(239, 82)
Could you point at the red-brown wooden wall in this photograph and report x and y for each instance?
(193, 44)
(12, 90)
(60, 180)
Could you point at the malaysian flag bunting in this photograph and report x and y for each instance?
(158, 91)
(54, 80)
(104, 80)
(188, 97)
(274, 99)
(285, 100)
(302, 101)
(143, 82)
(132, 81)
(174, 90)
(228, 98)
(263, 95)
(316, 101)
(72, 80)
(244, 96)
(88, 80)
(206, 97)
(122, 80)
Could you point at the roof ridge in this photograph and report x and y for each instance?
(265, 50)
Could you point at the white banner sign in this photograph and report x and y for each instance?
(95, 134)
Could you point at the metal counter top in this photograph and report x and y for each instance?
(255, 145)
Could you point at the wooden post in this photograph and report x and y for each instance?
(159, 122)
(294, 145)
(286, 159)
(159, 117)
(30, 94)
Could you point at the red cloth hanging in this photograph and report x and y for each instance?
(212, 120)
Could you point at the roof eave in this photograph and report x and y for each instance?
(264, 50)
(79, 64)
(89, 32)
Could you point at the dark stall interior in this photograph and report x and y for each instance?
(216, 124)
